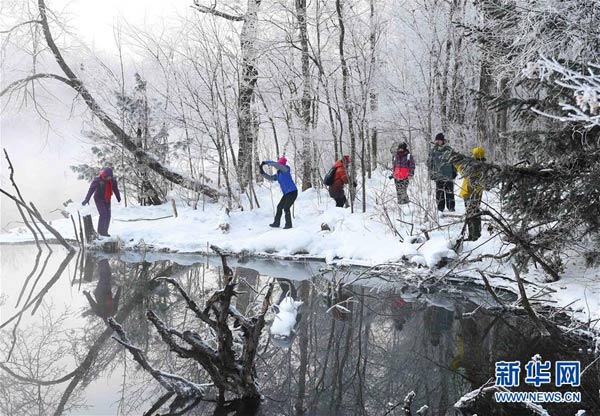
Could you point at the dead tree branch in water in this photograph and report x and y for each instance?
(34, 214)
(525, 301)
(230, 371)
(172, 383)
(14, 184)
(468, 401)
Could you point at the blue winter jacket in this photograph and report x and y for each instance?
(283, 176)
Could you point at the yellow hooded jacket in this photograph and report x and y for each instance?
(466, 190)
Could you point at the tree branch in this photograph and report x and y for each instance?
(171, 382)
(37, 215)
(212, 10)
(19, 25)
(190, 302)
(525, 301)
(140, 155)
(21, 82)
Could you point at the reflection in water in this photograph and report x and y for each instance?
(106, 304)
(353, 351)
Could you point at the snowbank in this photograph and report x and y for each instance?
(386, 233)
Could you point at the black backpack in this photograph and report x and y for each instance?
(328, 179)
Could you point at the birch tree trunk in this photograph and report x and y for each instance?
(373, 91)
(246, 114)
(306, 100)
(246, 117)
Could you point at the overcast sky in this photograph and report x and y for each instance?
(94, 20)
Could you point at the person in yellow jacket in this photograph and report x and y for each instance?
(471, 191)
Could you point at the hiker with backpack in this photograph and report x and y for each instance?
(284, 177)
(471, 191)
(336, 178)
(404, 170)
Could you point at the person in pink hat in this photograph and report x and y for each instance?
(284, 177)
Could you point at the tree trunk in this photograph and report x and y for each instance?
(305, 102)
(90, 232)
(372, 91)
(347, 104)
(485, 82)
(121, 137)
(249, 77)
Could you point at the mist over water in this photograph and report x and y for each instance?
(41, 154)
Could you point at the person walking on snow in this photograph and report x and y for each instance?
(103, 187)
(442, 172)
(404, 170)
(288, 188)
(336, 190)
(471, 191)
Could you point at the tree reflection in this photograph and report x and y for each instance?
(356, 351)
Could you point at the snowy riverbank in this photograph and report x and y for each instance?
(365, 239)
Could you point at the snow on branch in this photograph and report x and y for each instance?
(468, 400)
(213, 10)
(141, 155)
(585, 88)
(171, 382)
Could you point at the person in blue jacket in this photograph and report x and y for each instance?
(288, 188)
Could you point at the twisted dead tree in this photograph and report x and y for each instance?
(231, 369)
(120, 136)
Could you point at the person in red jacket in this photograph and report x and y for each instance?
(404, 170)
(103, 187)
(336, 190)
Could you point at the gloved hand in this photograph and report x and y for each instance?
(262, 163)
(354, 184)
(391, 177)
(84, 203)
(119, 200)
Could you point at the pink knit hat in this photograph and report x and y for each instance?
(282, 160)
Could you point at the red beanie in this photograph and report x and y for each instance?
(282, 160)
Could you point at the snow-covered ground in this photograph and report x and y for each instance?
(413, 235)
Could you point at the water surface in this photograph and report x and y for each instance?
(359, 347)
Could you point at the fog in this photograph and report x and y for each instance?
(43, 145)
(41, 154)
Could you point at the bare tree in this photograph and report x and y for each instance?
(121, 137)
(247, 83)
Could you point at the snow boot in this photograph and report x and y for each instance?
(288, 220)
(274, 225)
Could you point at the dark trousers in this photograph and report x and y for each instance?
(473, 216)
(444, 194)
(340, 202)
(104, 211)
(402, 191)
(284, 205)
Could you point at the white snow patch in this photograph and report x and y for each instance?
(285, 319)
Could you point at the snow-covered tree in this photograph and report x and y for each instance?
(144, 119)
(551, 195)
